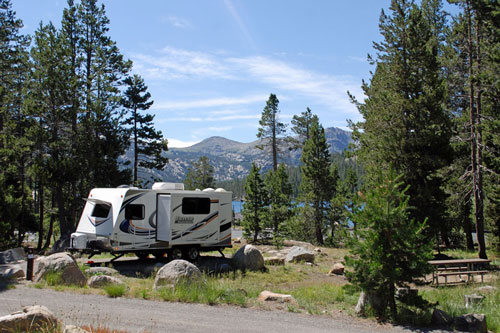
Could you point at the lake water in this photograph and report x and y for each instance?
(237, 206)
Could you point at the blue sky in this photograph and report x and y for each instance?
(211, 65)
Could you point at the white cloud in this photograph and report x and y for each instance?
(210, 102)
(266, 73)
(177, 22)
(174, 143)
(172, 63)
(326, 89)
(358, 59)
(212, 118)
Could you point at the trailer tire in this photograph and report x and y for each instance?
(192, 253)
(175, 253)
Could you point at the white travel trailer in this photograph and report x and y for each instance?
(163, 220)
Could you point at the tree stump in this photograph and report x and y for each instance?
(472, 300)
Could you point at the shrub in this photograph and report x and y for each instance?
(115, 290)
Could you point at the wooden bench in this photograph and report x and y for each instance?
(458, 267)
(470, 275)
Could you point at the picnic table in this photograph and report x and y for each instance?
(458, 267)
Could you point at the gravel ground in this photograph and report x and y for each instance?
(135, 315)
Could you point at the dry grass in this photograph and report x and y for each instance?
(101, 329)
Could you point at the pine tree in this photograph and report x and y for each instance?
(317, 184)
(270, 129)
(47, 102)
(102, 68)
(256, 200)
(148, 143)
(301, 125)
(473, 68)
(280, 204)
(200, 175)
(14, 123)
(388, 248)
(405, 126)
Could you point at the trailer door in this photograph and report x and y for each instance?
(163, 230)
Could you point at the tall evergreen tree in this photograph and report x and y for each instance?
(14, 145)
(280, 204)
(270, 129)
(316, 186)
(256, 200)
(474, 45)
(148, 142)
(200, 175)
(47, 102)
(405, 125)
(102, 69)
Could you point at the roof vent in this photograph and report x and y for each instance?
(168, 186)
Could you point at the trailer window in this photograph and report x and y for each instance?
(193, 206)
(134, 212)
(101, 210)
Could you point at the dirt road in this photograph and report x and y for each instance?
(135, 315)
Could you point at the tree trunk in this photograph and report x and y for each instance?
(23, 208)
(51, 224)
(41, 217)
(479, 131)
(392, 301)
(136, 153)
(468, 234)
(476, 156)
(317, 223)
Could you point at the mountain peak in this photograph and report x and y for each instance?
(232, 159)
(211, 143)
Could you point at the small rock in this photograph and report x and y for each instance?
(248, 257)
(486, 289)
(237, 240)
(30, 319)
(337, 269)
(471, 323)
(102, 270)
(441, 318)
(175, 271)
(297, 254)
(74, 329)
(267, 296)
(317, 250)
(98, 281)
(274, 261)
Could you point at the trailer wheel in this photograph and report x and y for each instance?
(192, 253)
(175, 254)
